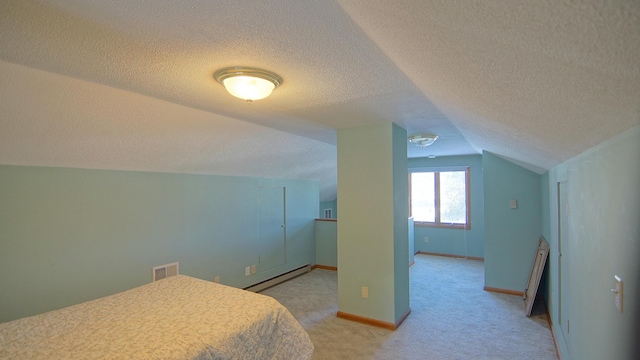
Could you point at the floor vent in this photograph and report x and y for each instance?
(165, 271)
(279, 279)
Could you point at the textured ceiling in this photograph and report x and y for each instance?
(536, 81)
(127, 84)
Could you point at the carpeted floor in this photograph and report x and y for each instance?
(452, 317)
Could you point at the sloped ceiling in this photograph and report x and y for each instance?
(127, 84)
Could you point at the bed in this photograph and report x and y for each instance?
(179, 317)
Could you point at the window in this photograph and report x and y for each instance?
(440, 198)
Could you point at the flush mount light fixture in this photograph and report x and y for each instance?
(248, 83)
(423, 140)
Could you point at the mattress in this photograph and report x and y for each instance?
(176, 318)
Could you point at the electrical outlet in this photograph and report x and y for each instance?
(253, 269)
(216, 279)
(247, 271)
(514, 204)
(365, 292)
(426, 239)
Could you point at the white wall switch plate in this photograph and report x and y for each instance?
(618, 292)
(247, 271)
(253, 269)
(365, 292)
(426, 239)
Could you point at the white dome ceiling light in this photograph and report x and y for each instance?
(422, 140)
(248, 83)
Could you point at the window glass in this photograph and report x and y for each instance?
(440, 198)
(423, 200)
(453, 202)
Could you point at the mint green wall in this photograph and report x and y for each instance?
(400, 222)
(368, 224)
(70, 235)
(333, 205)
(510, 235)
(546, 231)
(603, 186)
(327, 243)
(455, 241)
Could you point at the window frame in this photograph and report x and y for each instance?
(438, 223)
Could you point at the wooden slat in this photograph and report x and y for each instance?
(374, 322)
(325, 267)
(451, 255)
(504, 291)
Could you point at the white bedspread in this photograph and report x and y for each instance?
(176, 318)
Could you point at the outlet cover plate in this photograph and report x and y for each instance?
(365, 292)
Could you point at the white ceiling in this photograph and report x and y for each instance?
(127, 84)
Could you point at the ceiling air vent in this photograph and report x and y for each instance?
(165, 271)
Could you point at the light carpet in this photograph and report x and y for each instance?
(452, 317)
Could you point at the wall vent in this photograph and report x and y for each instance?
(164, 271)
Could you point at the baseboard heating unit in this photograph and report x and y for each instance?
(278, 279)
